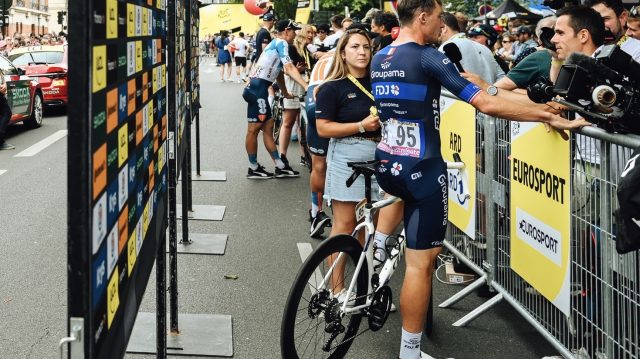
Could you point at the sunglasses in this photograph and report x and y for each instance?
(506, 41)
(635, 11)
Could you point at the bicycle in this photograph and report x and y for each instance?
(368, 294)
(277, 111)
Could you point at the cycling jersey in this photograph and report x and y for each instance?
(406, 81)
(272, 60)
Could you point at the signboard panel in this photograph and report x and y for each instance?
(458, 135)
(117, 164)
(177, 88)
(540, 211)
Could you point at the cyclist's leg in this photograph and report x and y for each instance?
(270, 144)
(389, 218)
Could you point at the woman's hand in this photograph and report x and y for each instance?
(371, 123)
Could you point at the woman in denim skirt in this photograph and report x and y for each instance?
(345, 113)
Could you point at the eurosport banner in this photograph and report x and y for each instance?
(458, 135)
(117, 164)
(540, 210)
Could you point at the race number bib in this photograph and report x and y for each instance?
(402, 138)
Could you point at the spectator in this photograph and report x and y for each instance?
(476, 58)
(263, 37)
(382, 23)
(346, 22)
(633, 23)
(615, 20)
(463, 21)
(487, 36)
(507, 41)
(527, 44)
(320, 48)
(240, 56)
(224, 56)
(532, 67)
(336, 25)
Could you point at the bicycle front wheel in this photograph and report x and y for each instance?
(313, 324)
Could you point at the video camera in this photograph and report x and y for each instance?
(605, 89)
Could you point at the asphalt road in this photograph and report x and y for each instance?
(264, 220)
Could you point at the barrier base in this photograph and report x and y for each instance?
(203, 244)
(478, 311)
(200, 334)
(203, 213)
(209, 176)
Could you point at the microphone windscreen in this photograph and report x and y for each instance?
(453, 52)
(597, 70)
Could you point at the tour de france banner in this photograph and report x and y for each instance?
(458, 134)
(540, 212)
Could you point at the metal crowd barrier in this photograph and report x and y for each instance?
(604, 320)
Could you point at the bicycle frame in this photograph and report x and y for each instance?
(390, 264)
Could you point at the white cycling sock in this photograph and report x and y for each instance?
(380, 241)
(410, 345)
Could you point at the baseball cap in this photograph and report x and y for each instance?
(287, 24)
(524, 30)
(268, 17)
(483, 29)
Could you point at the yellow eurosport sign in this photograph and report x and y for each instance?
(540, 211)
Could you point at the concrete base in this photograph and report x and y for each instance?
(200, 334)
(203, 213)
(209, 176)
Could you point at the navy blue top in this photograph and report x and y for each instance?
(406, 81)
(342, 101)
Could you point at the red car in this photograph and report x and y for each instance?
(47, 64)
(24, 95)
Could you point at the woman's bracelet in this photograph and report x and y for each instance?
(361, 128)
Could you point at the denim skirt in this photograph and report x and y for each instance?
(341, 151)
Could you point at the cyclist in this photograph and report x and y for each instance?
(268, 69)
(406, 78)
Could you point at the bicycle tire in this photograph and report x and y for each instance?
(289, 350)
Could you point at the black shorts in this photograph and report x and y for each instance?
(422, 185)
(241, 61)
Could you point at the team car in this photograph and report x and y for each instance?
(24, 95)
(47, 64)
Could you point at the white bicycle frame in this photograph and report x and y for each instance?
(367, 252)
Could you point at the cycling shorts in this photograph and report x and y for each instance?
(257, 94)
(422, 185)
(318, 146)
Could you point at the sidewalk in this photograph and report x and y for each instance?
(265, 220)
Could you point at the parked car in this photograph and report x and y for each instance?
(47, 64)
(24, 95)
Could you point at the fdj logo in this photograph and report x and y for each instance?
(384, 90)
(456, 185)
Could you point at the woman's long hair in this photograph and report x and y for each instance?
(339, 69)
(300, 42)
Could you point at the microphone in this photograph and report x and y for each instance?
(593, 68)
(453, 53)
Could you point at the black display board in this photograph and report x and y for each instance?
(117, 170)
(195, 58)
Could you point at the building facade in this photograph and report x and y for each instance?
(27, 17)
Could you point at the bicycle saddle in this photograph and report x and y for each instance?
(367, 168)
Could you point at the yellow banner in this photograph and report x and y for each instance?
(540, 211)
(232, 17)
(458, 135)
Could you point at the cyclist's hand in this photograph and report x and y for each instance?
(371, 123)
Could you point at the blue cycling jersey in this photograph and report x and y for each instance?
(406, 81)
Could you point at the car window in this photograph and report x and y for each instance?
(40, 57)
(7, 67)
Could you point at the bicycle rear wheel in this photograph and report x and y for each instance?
(311, 311)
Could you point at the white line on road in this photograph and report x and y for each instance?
(2, 172)
(35, 149)
(305, 250)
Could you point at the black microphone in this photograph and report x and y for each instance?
(593, 68)
(453, 53)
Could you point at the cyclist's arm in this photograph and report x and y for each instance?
(282, 85)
